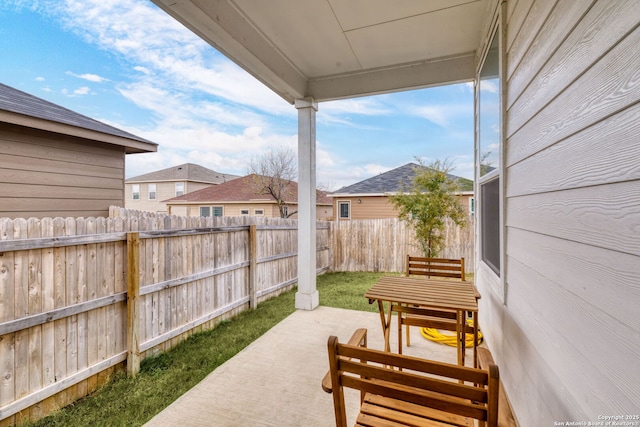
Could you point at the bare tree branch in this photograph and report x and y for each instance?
(273, 174)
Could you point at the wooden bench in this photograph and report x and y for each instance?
(505, 414)
(401, 390)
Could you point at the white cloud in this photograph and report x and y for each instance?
(84, 90)
(90, 77)
(163, 48)
(39, 79)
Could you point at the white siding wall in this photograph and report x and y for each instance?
(566, 330)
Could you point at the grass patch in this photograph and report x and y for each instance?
(126, 401)
(346, 290)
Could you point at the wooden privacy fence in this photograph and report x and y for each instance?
(382, 244)
(78, 297)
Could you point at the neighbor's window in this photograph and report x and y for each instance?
(244, 211)
(285, 210)
(152, 191)
(343, 210)
(205, 211)
(218, 211)
(472, 206)
(135, 190)
(489, 148)
(258, 212)
(179, 188)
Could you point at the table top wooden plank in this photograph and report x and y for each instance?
(434, 293)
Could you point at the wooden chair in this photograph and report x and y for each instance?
(436, 267)
(438, 319)
(401, 390)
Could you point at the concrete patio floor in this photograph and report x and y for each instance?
(276, 380)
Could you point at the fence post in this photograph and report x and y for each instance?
(133, 303)
(253, 257)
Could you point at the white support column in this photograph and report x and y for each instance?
(307, 295)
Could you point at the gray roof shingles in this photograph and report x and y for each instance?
(184, 172)
(16, 101)
(388, 182)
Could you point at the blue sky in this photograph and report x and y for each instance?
(128, 64)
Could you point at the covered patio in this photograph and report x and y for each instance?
(558, 259)
(276, 381)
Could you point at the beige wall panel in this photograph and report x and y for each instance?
(16, 176)
(607, 87)
(596, 371)
(605, 216)
(15, 133)
(562, 330)
(377, 207)
(28, 191)
(591, 152)
(59, 176)
(540, 77)
(31, 164)
(524, 35)
(517, 11)
(60, 149)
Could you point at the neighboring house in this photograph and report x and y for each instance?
(556, 88)
(55, 162)
(369, 199)
(239, 197)
(147, 192)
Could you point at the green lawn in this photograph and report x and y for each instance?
(126, 401)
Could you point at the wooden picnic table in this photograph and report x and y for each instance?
(438, 294)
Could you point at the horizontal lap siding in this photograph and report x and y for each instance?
(567, 337)
(49, 175)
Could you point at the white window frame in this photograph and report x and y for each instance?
(244, 211)
(152, 193)
(205, 211)
(215, 209)
(258, 212)
(135, 191)
(497, 31)
(179, 185)
(339, 208)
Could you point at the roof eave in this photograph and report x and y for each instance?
(131, 146)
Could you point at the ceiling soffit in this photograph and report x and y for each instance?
(331, 49)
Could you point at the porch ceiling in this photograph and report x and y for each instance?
(331, 49)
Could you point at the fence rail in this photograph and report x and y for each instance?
(79, 297)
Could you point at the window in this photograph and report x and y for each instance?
(285, 211)
(472, 206)
(218, 211)
(490, 224)
(179, 188)
(258, 212)
(343, 210)
(152, 191)
(205, 211)
(244, 211)
(135, 190)
(489, 148)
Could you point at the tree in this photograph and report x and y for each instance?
(273, 174)
(431, 200)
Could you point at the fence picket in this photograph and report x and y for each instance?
(195, 274)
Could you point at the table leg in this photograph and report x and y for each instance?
(386, 325)
(476, 327)
(387, 335)
(459, 333)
